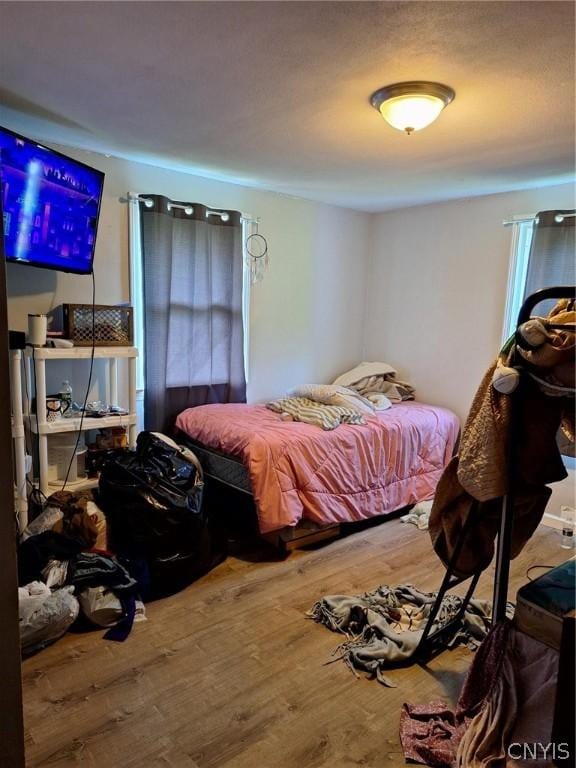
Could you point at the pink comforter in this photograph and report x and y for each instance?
(351, 473)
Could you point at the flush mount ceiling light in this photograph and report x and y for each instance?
(413, 105)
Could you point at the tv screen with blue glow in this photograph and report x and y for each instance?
(50, 206)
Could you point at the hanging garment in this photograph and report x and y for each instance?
(507, 698)
(479, 477)
(384, 626)
(452, 507)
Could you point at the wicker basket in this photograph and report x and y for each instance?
(113, 326)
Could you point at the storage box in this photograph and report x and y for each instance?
(542, 605)
(60, 451)
(113, 326)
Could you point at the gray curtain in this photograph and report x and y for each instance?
(552, 262)
(192, 275)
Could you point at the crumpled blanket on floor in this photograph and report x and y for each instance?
(384, 626)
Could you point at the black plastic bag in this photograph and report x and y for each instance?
(152, 499)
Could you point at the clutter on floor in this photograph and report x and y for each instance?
(45, 615)
(383, 627)
(152, 499)
(510, 693)
(507, 698)
(419, 515)
(92, 558)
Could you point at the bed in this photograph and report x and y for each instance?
(298, 473)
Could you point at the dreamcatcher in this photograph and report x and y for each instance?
(256, 249)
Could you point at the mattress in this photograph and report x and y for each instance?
(226, 469)
(297, 471)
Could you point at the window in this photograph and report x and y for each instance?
(137, 300)
(522, 232)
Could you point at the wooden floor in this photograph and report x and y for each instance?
(230, 673)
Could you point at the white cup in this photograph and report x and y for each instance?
(37, 327)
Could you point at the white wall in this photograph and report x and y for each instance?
(436, 294)
(422, 288)
(306, 318)
(437, 289)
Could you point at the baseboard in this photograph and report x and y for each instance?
(552, 521)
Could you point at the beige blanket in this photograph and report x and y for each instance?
(376, 380)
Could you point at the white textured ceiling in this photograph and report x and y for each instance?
(275, 95)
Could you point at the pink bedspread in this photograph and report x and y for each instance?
(351, 473)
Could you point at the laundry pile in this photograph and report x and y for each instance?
(477, 479)
(377, 382)
(383, 627)
(96, 557)
(359, 393)
(66, 573)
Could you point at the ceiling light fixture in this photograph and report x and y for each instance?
(413, 105)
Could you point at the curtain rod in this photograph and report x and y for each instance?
(189, 209)
(559, 218)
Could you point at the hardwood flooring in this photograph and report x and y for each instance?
(229, 673)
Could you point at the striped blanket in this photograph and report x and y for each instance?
(313, 412)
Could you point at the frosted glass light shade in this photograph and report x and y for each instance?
(411, 106)
(411, 113)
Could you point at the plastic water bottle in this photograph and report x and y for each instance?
(567, 515)
(66, 398)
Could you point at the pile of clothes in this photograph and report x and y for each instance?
(66, 573)
(360, 392)
(378, 383)
(535, 373)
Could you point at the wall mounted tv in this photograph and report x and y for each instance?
(50, 206)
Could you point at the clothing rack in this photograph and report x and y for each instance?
(501, 578)
(432, 642)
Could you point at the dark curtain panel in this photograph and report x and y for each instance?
(192, 274)
(552, 262)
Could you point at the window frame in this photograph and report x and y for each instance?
(522, 232)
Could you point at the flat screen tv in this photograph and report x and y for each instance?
(50, 205)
